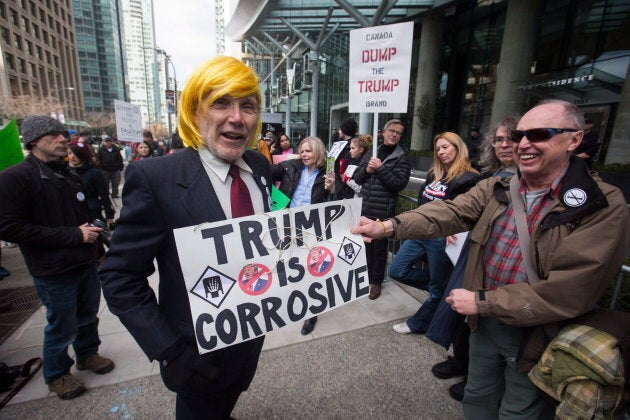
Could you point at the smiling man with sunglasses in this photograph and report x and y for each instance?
(579, 231)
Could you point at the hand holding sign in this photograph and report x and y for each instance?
(289, 265)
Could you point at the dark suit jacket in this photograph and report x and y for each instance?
(160, 195)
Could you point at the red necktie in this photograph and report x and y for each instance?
(240, 199)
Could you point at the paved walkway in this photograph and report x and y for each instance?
(353, 366)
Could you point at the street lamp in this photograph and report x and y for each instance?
(167, 60)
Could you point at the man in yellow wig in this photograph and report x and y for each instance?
(219, 115)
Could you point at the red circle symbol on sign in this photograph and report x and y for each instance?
(319, 261)
(254, 279)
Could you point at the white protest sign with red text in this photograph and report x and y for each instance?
(249, 276)
(380, 62)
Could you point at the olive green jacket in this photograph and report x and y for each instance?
(578, 246)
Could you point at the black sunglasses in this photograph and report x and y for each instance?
(539, 134)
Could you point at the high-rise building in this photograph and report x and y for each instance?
(141, 59)
(217, 27)
(99, 32)
(38, 56)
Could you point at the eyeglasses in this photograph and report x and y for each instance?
(539, 134)
(391, 130)
(498, 141)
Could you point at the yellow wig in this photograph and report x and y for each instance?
(212, 80)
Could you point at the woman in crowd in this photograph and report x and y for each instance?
(448, 327)
(94, 186)
(302, 180)
(346, 187)
(282, 146)
(450, 175)
(143, 151)
(95, 190)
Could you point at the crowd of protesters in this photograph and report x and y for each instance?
(49, 204)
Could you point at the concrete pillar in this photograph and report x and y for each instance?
(365, 123)
(427, 81)
(315, 93)
(517, 53)
(619, 146)
(287, 111)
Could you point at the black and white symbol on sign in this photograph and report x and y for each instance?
(575, 197)
(349, 250)
(213, 286)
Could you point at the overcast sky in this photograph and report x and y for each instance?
(182, 29)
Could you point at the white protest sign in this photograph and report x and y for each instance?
(337, 148)
(249, 276)
(380, 63)
(128, 121)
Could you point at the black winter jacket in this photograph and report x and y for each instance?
(41, 212)
(96, 191)
(110, 161)
(380, 189)
(289, 172)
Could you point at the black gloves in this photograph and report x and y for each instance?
(185, 368)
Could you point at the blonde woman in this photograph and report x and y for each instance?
(302, 180)
(450, 175)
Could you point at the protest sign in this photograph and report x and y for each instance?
(249, 276)
(128, 121)
(380, 63)
(10, 145)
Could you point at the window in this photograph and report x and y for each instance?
(10, 61)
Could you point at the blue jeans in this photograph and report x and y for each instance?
(72, 300)
(403, 269)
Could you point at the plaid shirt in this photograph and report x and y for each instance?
(502, 258)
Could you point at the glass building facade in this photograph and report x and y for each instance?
(579, 51)
(101, 55)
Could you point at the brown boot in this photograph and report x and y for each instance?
(66, 387)
(97, 364)
(375, 291)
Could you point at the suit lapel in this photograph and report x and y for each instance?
(262, 181)
(198, 197)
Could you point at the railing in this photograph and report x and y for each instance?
(406, 202)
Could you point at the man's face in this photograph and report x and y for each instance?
(541, 162)
(107, 143)
(393, 134)
(51, 147)
(228, 125)
(74, 137)
(316, 255)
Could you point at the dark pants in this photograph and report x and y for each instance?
(112, 177)
(495, 388)
(376, 255)
(215, 406)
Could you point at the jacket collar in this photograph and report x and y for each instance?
(579, 195)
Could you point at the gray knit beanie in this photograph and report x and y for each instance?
(35, 127)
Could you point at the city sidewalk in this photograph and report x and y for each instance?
(352, 365)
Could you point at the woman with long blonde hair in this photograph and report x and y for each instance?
(450, 175)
